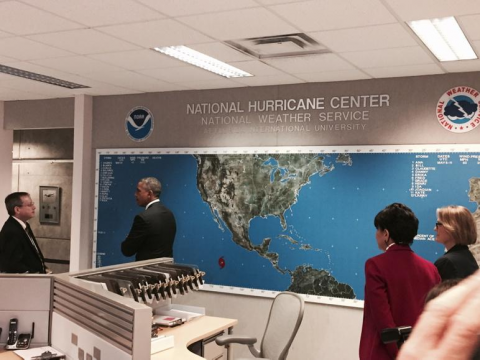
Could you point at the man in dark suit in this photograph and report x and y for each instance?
(19, 250)
(153, 230)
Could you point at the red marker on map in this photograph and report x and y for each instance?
(221, 262)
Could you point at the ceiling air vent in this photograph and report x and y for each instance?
(278, 46)
(39, 77)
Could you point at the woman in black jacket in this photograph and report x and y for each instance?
(456, 229)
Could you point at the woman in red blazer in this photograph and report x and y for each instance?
(397, 281)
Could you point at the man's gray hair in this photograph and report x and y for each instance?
(152, 184)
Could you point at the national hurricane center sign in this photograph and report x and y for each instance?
(312, 114)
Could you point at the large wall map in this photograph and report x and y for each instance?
(298, 219)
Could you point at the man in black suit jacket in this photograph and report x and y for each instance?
(19, 250)
(153, 230)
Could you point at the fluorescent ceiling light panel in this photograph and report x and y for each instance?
(203, 61)
(39, 77)
(444, 38)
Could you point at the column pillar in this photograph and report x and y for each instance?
(82, 186)
(6, 159)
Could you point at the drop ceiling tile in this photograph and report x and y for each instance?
(257, 68)
(276, 2)
(269, 80)
(470, 26)
(365, 38)
(389, 57)
(182, 8)
(461, 66)
(213, 84)
(221, 52)
(156, 33)
(98, 13)
(334, 14)
(21, 19)
(131, 80)
(78, 65)
(105, 89)
(429, 9)
(5, 60)
(476, 47)
(161, 86)
(36, 87)
(139, 59)
(84, 41)
(4, 34)
(25, 49)
(181, 74)
(11, 95)
(239, 24)
(329, 76)
(310, 63)
(400, 71)
(4, 76)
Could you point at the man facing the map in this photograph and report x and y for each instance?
(19, 250)
(153, 230)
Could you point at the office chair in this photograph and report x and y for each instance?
(285, 317)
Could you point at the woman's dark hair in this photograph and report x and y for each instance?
(400, 221)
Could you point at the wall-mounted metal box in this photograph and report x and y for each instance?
(49, 205)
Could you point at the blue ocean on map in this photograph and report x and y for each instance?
(329, 227)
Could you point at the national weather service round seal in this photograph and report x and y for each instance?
(139, 123)
(458, 109)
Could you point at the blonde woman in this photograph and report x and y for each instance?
(456, 229)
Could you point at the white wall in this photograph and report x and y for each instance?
(327, 332)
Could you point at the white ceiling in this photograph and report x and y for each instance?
(105, 44)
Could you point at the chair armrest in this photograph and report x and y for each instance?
(235, 339)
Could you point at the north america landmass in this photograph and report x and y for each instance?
(239, 188)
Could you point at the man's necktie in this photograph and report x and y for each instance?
(29, 232)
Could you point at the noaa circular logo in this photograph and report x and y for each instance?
(458, 109)
(139, 123)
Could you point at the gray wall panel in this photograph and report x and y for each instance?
(410, 115)
(16, 144)
(44, 144)
(39, 114)
(34, 175)
(56, 249)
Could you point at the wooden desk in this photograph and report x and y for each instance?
(184, 335)
(193, 331)
(9, 355)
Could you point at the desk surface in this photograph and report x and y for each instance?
(184, 335)
(188, 333)
(8, 355)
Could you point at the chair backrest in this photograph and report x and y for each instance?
(284, 320)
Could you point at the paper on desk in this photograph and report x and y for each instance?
(28, 354)
(185, 315)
